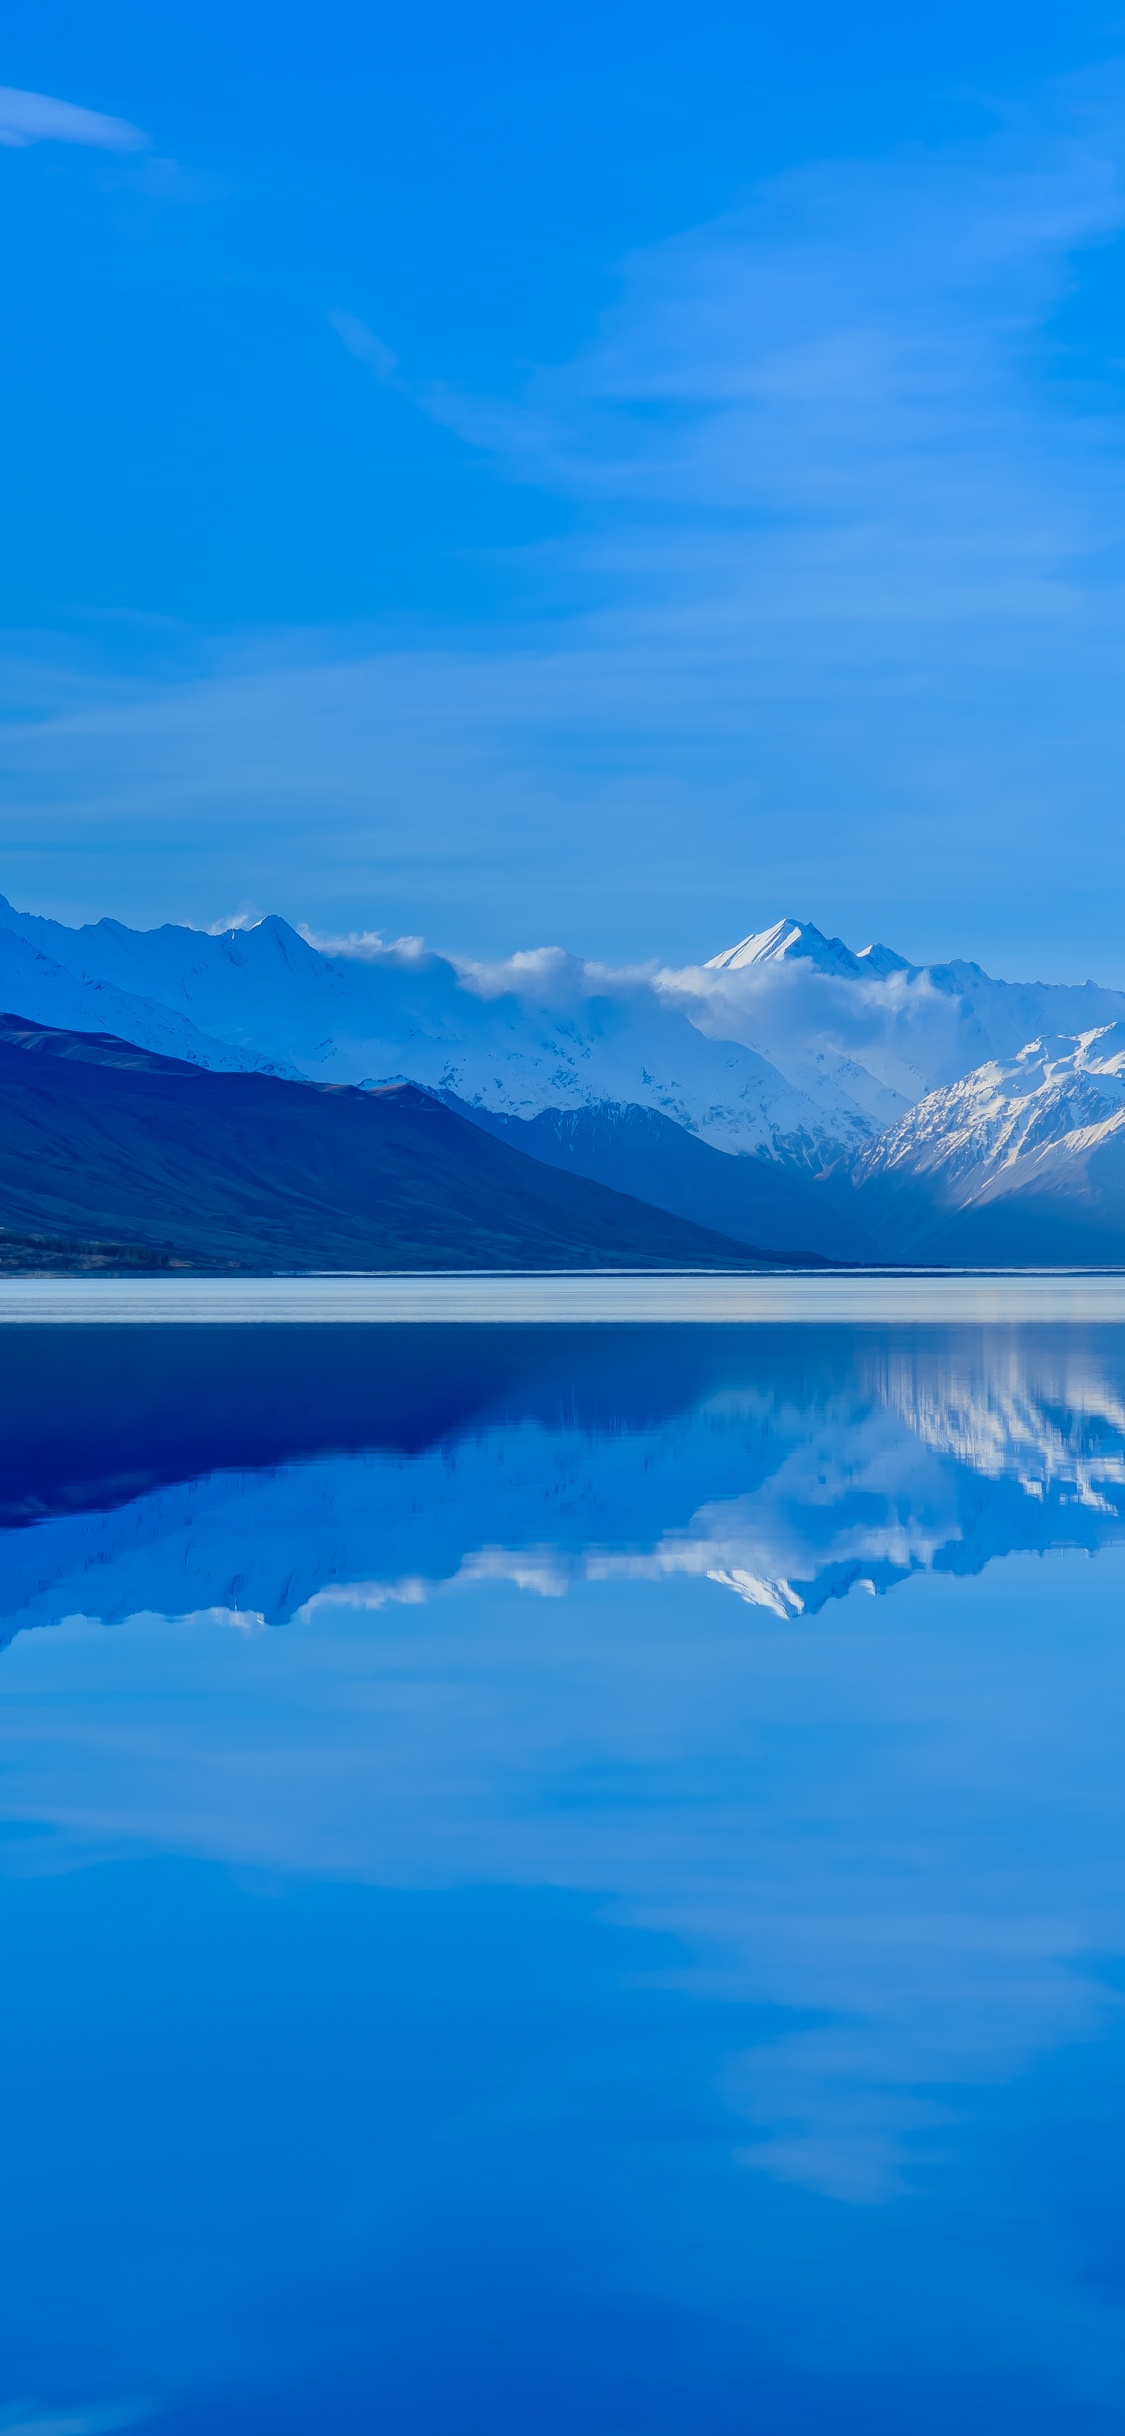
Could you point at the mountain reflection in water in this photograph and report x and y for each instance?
(687, 1998)
(268, 1471)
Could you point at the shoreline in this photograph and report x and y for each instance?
(574, 1298)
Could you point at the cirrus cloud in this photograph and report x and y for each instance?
(37, 118)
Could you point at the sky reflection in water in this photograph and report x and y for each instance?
(688, 1995)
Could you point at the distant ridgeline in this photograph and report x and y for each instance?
(791, 1100)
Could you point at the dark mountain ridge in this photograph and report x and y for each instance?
(638, 1150)
(116, 1156)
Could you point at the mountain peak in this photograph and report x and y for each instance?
(882, 960)
(785, 940)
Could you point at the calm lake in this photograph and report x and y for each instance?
(564, 1876)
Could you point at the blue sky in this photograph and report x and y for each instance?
(610, 477)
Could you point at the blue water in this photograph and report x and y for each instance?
(562, 1879)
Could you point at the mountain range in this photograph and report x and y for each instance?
(793, 1095)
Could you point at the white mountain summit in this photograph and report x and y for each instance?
(803, 941)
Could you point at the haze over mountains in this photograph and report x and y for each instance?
(791, 1092)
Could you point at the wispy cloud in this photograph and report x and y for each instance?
(221, 927)
(363, 344)
(37, 118)
(840, 399)
(840, 613)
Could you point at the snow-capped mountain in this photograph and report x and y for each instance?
(873, 1020)
(789, 1045)
(978, 1135)
(924, 1094)
(542, 1031)
(803, 942)
(1029, 1147)
(36, 985)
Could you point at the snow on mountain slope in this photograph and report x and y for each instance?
(1022, 1161)
(788, 938)
(543, 1031)
(33, 984)
(979, 1136)
(779, 989)
(789, 1046)
(1010, 1011)
(882, 1029)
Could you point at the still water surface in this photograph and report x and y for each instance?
(563, 1878)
